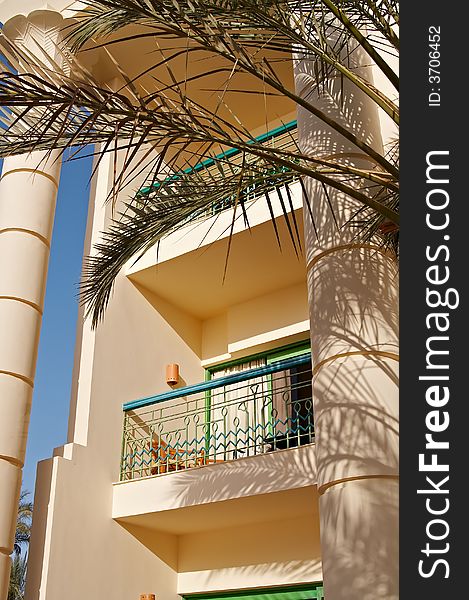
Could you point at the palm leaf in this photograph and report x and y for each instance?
(46, 108)
(17, 578)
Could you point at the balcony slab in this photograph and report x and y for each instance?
(238, 492)
(195, 257)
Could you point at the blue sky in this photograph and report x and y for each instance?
(51, 398)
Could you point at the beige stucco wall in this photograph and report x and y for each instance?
(77, 547)
(242, 524)
(204, 493)
(267, 554)
(268, 318)
(264, 322)
(81, 549)
(78, 550)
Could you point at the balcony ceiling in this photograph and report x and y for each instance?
(190, 276)
(136, 57)
(241, 511)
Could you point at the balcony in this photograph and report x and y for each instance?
(229, 164)
(195, 256)
(254, 412)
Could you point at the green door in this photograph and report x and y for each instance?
(283, 413)
(291, 399)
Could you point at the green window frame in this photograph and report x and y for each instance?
(311, 591)
(271, 356)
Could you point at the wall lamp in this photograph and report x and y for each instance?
(172, 374)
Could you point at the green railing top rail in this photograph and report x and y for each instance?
(204, 386)
(265, 137)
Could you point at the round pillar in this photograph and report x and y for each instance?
(353, 302)
(28, 191)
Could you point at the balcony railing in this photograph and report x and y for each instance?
(248, 413)
(230, 162)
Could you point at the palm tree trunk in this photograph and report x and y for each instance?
(28, 191)
(353, 312)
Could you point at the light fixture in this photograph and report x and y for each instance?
(172, 374)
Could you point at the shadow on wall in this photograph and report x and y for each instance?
(163, 545)
(361, 311)
(354, 340)
(215, 483)
(359, 551)
(357, 431)
(254, 539)
(252, 576)
(188, 328)
(355, 397)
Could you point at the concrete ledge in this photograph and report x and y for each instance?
(192, 500)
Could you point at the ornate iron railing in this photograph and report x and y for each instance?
(241, 415)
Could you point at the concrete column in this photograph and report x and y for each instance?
(354, 338)
(28, 191)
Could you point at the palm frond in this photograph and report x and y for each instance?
(320, 27)
(17, 578)
(180, 199)
(44, 108)
(66, 111)
(168, 205)
(23, 522)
